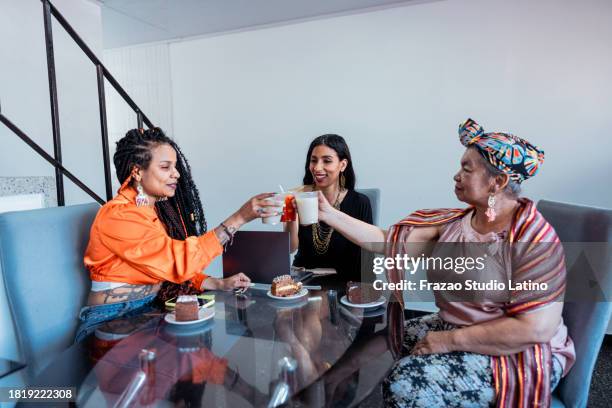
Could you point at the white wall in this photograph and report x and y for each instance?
(24, 92)
(144, 72)
(396, 83)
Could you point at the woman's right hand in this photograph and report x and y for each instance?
(295, 210)
(257, 207)
(293, 226)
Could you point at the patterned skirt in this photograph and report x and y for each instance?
(457, 379)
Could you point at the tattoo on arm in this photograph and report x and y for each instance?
(222, 235)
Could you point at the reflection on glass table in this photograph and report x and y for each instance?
(255, 351)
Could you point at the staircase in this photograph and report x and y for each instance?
(15, 190)
(103, 76)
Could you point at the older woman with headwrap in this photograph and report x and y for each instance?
(509, 352)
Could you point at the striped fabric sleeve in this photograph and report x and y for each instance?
(523, 379)
(538, 259)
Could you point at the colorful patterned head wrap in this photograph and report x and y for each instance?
(514, 156)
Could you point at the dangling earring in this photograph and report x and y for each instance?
(490, 213)
(342, 181)
(142, 200)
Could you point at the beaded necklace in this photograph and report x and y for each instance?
(321, 235)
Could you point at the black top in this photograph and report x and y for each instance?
(342, 254)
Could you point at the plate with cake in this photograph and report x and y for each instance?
(188, 311)
(362, 296)
(204, 300)
(285, 288)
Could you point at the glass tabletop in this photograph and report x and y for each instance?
(313, 351)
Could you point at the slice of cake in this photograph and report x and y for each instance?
(360, 293)
(186, 308)
(284, 286)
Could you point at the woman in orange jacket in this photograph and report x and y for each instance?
(151, 239)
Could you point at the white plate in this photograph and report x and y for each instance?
(296, 304)
(203, 315)
(186, 331)
(381, 301)
(298, 295)
(377, 311)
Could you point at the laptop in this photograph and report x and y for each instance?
(261, 255)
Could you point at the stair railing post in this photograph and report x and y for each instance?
(104, 132)
(139, 120)
(55, 127)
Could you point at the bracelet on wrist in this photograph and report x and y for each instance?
(229, 231)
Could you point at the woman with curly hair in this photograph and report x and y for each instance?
(151, 240)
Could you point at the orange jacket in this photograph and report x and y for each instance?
(129, 244)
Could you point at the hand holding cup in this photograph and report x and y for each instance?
(272, 214)
(258, 206)
(307, 207)
(290, 208)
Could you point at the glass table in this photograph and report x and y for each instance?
(255, 351)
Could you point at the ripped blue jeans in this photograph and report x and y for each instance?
(91, 317)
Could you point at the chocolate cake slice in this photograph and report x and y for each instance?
(187, 308)
(284, 286)
(360, 293)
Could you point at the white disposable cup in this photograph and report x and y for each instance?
(308, 207)
(275, 219)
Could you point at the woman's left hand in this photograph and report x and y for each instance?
(239, 280)
(433, 343)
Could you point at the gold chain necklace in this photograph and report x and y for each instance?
(321, 236)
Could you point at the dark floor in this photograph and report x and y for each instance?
(600, 395)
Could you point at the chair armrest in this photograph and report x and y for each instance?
(8, 367)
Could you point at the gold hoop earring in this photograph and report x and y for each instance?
(342, 181)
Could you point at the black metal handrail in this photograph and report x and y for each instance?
(90, 54)
(55, 127)
(58, 165)
(102, 73)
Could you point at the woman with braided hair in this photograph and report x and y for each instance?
(151, 240)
